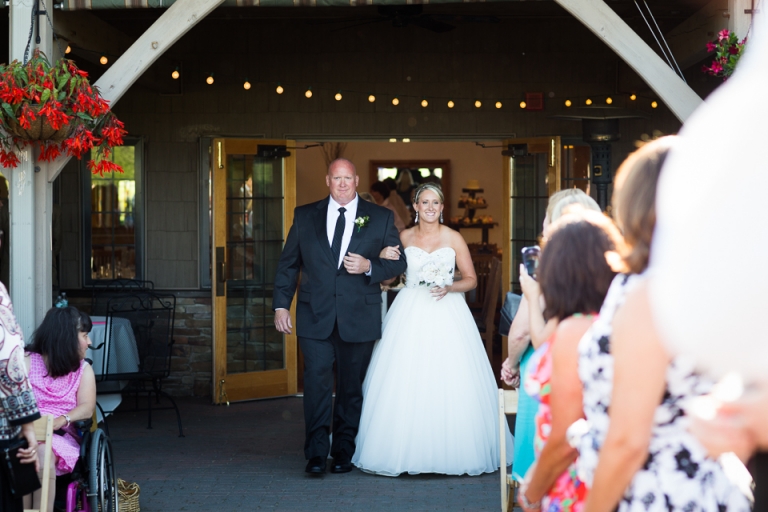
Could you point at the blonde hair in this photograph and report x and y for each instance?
(576, 200)
(556, 197)
(434, 187)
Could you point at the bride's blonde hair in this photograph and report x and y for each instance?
(428, 186)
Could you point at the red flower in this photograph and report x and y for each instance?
(80, 142)
(8, 158)
(733, 50)
(723, 34)
(716, 68)
(103, 166)
(27, 116)
(49, 152)
(711, 47)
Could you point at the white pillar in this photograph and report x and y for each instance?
(738, 20)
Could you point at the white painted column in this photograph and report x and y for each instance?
(738, 20)
(21, 196)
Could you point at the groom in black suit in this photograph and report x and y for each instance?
(334, 246)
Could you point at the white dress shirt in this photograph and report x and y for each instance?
(349, 217)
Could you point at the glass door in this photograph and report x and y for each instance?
(531, 175)
(254, 194)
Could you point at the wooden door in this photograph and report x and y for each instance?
(254, 194)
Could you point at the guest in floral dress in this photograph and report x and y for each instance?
(574, 277)
(64, 384)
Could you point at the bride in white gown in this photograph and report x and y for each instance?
(430, 402)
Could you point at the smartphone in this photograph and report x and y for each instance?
(531, 259)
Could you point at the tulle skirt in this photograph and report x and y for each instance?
(430, 397)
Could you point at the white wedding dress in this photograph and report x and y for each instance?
(430, 399)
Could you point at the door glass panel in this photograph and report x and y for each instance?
(576, 168)
(528, 205)
(255, 205)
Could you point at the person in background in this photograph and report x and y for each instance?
(635, 451)
(380, 193)
(18, 407)
(397, 202)
(64, 384)
(526, 334)
(405, 185)
(367, 197)
(574, 275)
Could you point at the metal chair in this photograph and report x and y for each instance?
(107, 290)
(138, 346)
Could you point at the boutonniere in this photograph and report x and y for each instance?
(361, 222)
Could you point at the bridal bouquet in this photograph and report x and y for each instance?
(435, 274)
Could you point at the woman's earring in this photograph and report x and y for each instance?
(441, 217)
(417, 218)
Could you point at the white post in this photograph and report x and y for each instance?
(740, 21)
(21, 195)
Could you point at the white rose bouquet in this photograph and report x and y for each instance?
(434, 274)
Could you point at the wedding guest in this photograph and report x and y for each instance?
(397, 202)
(64, 384)
(18, 407)
(381, 194)
(526, 334)
(405, 185)
(635, 451)
(574, 276)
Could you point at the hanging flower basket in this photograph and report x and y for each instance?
(728, 50)
(56, 110)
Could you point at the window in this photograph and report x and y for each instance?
(113, 214)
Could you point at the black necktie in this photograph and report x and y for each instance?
(338, 234)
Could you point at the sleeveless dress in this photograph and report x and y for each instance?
(525, 423)
(430, 399)
(677, 475)
(56, 397)
(568, 493)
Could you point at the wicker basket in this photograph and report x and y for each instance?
(128, 496)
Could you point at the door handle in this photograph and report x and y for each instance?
(221, 274)
(222, 271)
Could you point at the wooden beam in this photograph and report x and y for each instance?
(688, 41)
(607, 25)
(90, 37)
(174, 23)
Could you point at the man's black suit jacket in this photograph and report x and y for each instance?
(328, 294)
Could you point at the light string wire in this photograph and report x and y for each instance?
(674, 67)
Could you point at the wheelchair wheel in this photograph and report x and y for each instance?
(102, 482)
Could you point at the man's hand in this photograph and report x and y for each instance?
(356, 264)
(283, 321)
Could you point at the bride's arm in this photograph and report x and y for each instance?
(464, 262)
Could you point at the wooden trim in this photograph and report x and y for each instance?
(373, 165)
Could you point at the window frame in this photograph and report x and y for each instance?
(139, 213)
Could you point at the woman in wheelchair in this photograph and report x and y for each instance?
(64, 384)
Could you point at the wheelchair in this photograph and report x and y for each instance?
(92, 485)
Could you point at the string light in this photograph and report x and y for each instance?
(175, 74)
(523, 104)
(424, 103)
(371, 98)
(568, 103)
(246, 84)
(209, 80)
(406, 140)
(633, 97)
(450, 104)
(392, 140)
(104, 60)
(608, 100)
(588, 102)
(338, 96)
(279, 89)
(68, 50)
(308, 93)
(478, 103)
(654, 104)
(498, 104)
(395, 101)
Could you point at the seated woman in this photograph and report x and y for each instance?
(63, 383)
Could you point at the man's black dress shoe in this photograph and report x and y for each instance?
(316, 466)
(341, 464)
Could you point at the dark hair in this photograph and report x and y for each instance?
(381, 188)
(573, 272)
(56, 339)
(634, 200)
(391, 183)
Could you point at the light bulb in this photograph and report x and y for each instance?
(608, 100)
(568, 103)
(450, 104)
(523, 104)
(247, 84)
(588, 102)
(338, 96)
(68, 50)
(478, 103)
(395, 101)
(308, 93)
(104, 60)
(175, 74)
(392, 140)
(371, 98)
(406, 140)
(209, 80)
(633, 97)
(498, 104)
(424, 103)
(654, 104)
(279, 89)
